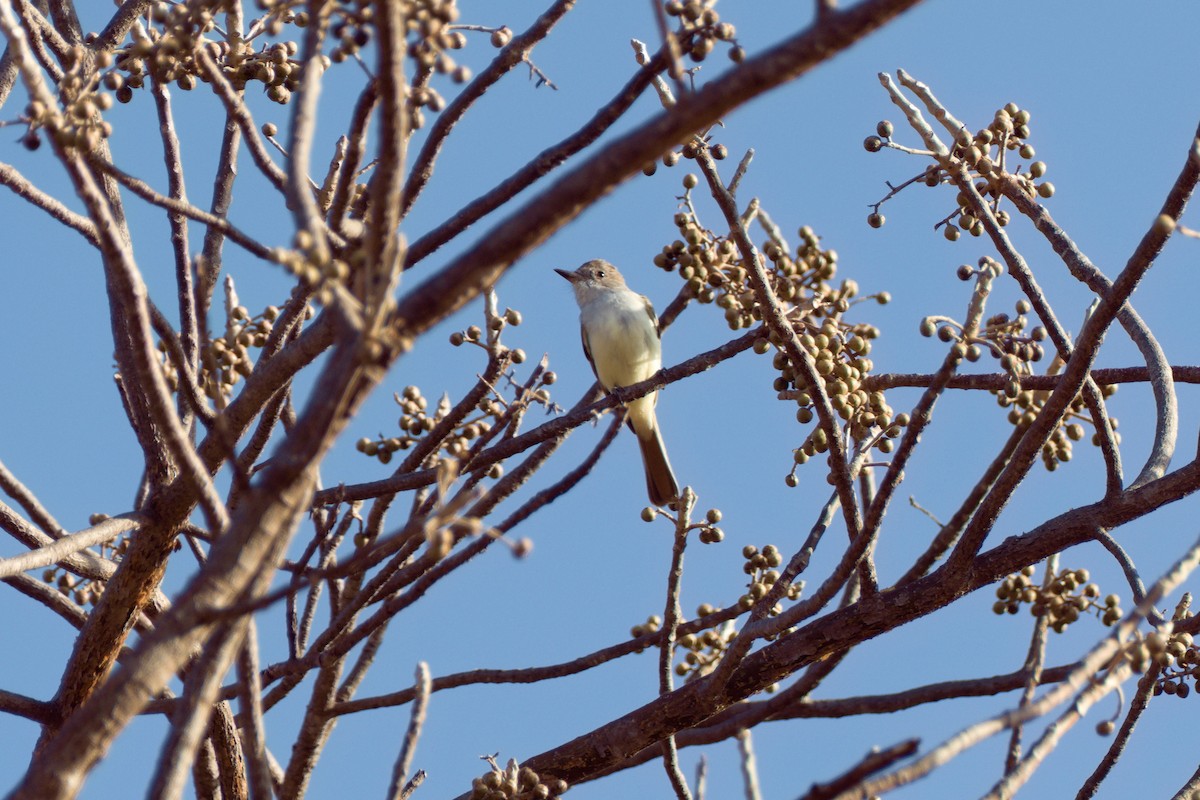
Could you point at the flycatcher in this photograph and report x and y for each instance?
(621, 342)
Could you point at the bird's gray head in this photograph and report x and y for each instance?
(594, 276)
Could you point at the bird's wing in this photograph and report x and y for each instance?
(650, 313)
(653, 321)
(587, 352)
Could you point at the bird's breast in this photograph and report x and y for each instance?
(623, 342)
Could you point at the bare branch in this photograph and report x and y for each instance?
(21, 186)
(749, 767)
(670, 627)
(13, 487)
(1035, 660)
(127, 14)
(68, 545)
(409, 746)
(873, 762)
(27, 707)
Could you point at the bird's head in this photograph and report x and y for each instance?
(592, 277)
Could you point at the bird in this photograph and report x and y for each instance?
(621, 341)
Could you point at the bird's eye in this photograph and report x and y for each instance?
(599, 273)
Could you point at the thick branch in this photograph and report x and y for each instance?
(470, 273)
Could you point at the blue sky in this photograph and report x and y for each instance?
(1109, 87)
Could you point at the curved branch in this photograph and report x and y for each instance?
(1139, 263)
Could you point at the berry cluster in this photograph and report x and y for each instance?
(165, 46)
(415, 422)
(225, 360)
(515, 783)
(474, 335)
(653, 624)
(313, 264)
(763, 569)
(701, 28)
(703, 651)
(1069, 594)
(79, 124)
(82, 590)
(690, 150)
(1177, 655)
(164, 51)
(984, 153)
(1001, 336)
(713, 268)
(709, 533)
(431, 28)
(840, 357)
(1009, 340)
(1024, 406)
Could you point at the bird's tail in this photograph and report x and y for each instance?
(660, 480)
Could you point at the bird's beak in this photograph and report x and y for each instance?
(570, 276)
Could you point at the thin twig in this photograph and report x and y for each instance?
(749, 767)
(409, 746)
(1035, 660)
(1132, 576)
(871, 763)
(27, 500)
(512, 54)
(670, 628)
(21, 186)
(178, 206)
(541, 165)
(185, 291)
(68, 545)
(740, 173)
